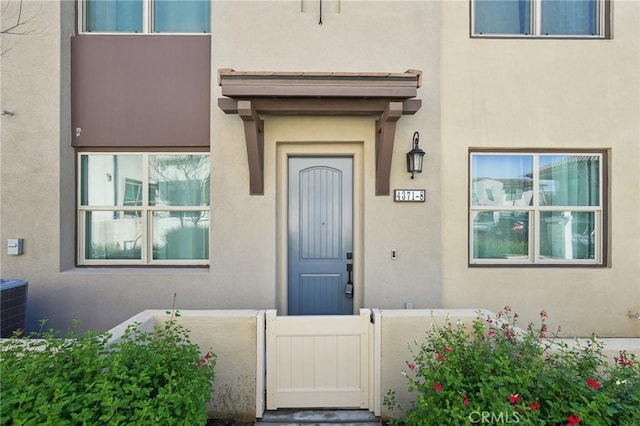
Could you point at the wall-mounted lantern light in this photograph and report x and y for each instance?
(415, 157)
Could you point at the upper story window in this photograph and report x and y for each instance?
(145, 16)
(143, 208)
(540, 18)
(536, 208)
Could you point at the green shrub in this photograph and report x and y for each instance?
(493, 372)
(157, 378)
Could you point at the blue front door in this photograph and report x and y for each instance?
(320, 235)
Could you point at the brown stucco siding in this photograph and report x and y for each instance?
(141, 91)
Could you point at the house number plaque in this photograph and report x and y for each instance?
(409, 195)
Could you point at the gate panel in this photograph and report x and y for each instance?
(318, 361)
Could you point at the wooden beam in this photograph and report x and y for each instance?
(341, 85)
(385, 135)
(254, 138)
(319, 106)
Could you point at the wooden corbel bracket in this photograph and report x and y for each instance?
(254, 136)
(385, 135)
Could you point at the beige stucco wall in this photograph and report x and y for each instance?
(401, 334)
(361, 38)
(545, 94)
(403, 331)
(475, 93)
(238, 339)
(233, 337)
(38, 166)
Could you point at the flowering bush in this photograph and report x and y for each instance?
(494, 372)
(145, 378)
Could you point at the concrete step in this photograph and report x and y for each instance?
(318, 417)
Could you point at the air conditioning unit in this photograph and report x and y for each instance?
(13, 306)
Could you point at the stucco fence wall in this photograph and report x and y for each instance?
(237, 337)
(233, 336)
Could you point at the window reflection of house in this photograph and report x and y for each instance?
(144, 214)
(566, 214)
(503, 192)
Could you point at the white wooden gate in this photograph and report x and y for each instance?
(319, 361)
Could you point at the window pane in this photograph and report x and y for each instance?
(106, 179)
(500, 235)
(502, 180)
(114, 15)
(502, 16)
(182, 16)
(569, 17)
(569, 180)
(132, 192)
(180, 235)
(179, 180)
(113, 235)
(567, 235)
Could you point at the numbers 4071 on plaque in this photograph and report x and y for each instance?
(409, 195)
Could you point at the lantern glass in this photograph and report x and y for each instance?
(415, 158)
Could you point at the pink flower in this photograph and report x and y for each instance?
(440, 357)
(534, 406)
(593, 384)
(437, 387)
(573, 420)
(514, 398)
(411, 366)
(491, 333)
(465, 400)
(204, 359)
(447, 349)
(543, 314)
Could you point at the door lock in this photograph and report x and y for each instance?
(348, 289)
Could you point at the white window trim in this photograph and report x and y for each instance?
(146, 258)
(536, 24)
(147, 22)
(534, 258)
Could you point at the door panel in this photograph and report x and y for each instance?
(320, 227)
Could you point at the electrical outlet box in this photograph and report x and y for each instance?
(15, 246)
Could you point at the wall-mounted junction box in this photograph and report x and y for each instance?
(15, 246)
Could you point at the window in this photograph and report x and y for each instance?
(536, 208)
(143, 208)
(146, 16)
(540, 18)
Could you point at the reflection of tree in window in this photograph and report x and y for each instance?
(132, 195)
(180, 180)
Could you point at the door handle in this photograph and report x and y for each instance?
(348, 289)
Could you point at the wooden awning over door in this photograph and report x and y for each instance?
(387, 96)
